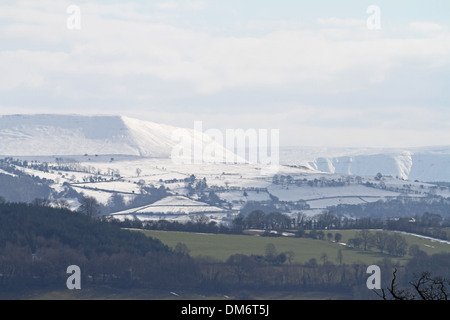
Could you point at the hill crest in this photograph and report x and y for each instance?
(68, 135)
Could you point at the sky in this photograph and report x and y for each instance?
(350, 73)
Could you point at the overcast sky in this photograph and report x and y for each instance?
(315, 70)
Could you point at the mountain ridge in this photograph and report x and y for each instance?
(67, 135)
(418, 163)
(52, 134)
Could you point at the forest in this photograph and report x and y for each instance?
(38, 243)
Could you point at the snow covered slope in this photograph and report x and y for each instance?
(423, 164)
(62, 135)
(169, 208)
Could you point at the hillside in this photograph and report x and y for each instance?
(38, 243)
(177, 208)
(423, 164)
(76, 135)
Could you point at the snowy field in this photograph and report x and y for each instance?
(236, 184)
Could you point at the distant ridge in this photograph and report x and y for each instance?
(63, 135)
(430, 164)
(71, 135)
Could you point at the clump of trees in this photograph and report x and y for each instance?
(258, 219)
(197, 223)
(427, 224)
(148, 195)
(398, 207)
(393, 244)
(89, 206)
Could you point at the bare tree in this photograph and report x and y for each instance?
(89, 206)
(116, 202)
(41, 202)
(289, 256)
(366, 237)
(423, 287)
(241, 266)
(380, 240)
(61, 204)
(270, 251)
(200, 218)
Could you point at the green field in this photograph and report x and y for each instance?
(221, 246)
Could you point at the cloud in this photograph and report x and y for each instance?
(341, 23)
(427, 27)
(309, 58)
(329, 75)
(190, 5)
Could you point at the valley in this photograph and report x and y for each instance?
(306, 221)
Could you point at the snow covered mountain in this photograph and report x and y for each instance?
(133, 155)
(71, 135)
(423, 164)
(63, 135)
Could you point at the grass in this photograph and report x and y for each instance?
(222, 246)
(429, 246)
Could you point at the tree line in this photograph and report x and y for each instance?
(398, 207)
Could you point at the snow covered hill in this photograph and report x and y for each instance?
(71, 135)
(103, 156)
(423, 164)
(177, 208)
(64, 135)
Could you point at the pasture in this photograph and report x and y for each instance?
(222, 246)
